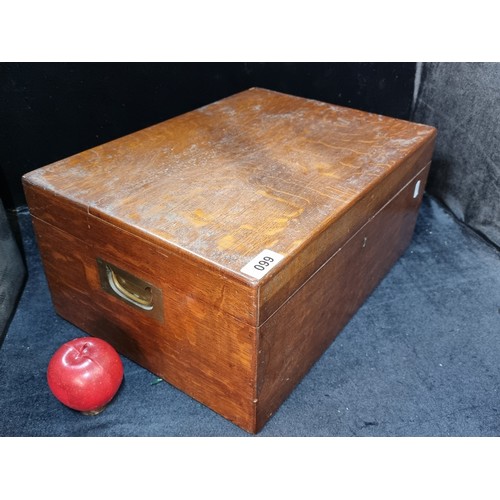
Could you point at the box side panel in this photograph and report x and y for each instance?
(193, 345)
(180, 270)
(280, 285)
(300, 331)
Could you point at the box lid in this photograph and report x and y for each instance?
(259, 170)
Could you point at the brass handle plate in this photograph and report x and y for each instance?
(131, 289)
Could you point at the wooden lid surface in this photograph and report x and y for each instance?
(257, 170)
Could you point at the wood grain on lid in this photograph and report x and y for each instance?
(258, 170)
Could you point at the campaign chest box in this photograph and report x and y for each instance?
(224, 249)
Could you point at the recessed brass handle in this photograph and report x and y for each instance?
(131, 289)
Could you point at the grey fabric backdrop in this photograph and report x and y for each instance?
(12, 271)
(463, 101)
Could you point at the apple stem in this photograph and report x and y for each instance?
(81, 350)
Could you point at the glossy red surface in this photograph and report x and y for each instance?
(85, 374)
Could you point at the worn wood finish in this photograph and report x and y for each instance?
(184, 272)
(319, 247)
(299, 332)
(256, 170)
(197, 348)
(185, 204)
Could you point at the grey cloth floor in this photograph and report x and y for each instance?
(420, 358)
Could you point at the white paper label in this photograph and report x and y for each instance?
(261, 264)
(416, 190)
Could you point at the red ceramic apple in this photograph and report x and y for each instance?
(85, 374)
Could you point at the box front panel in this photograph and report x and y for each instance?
(302, 329)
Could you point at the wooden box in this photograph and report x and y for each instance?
(224, 249)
